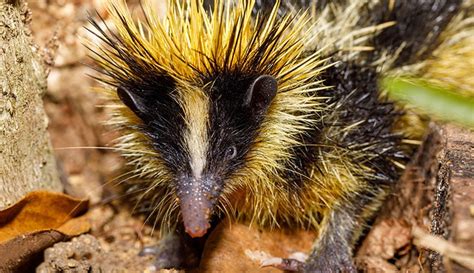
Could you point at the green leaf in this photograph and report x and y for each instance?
(444, 104)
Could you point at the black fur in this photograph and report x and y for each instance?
(265, 6)
(354, 98)
(419, 24)
(232, 124)
(162, 117)
(294, 5)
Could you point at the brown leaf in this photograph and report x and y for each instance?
(21, 253)
(40, 211)
(36, 222)
(231, 247)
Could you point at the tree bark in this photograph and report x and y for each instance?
(435, 195)
(26, 158)
(452, 208)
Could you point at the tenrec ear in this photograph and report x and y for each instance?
(261, 93)
(131, 100)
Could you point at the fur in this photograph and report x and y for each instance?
(330, 144)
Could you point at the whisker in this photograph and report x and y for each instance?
(107, 148)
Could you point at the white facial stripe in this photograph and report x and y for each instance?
(196, 109)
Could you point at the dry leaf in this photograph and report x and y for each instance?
(229, 245)
(36, 222)
(39, 211)
(21, 253)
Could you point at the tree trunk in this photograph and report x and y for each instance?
(452, 209)
(26, 158)
(436, 194)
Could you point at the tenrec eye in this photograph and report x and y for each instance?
(231, 152)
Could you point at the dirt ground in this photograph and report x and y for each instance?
(90, 169)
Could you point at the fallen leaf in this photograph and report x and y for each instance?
(36, 222)
(39, 211)
(21, 253)
(239, 248)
